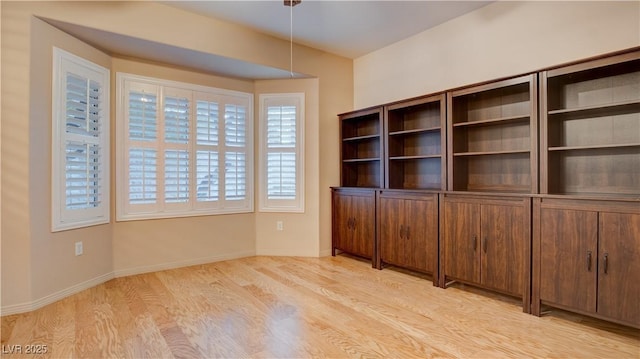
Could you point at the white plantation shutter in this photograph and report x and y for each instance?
(82, 182)
(143, 117)
(80, 163)
(207, 135)
(174, 137)
(281, 156)
(281, 169)
(176, 176)
(235, 124)
(143, 184)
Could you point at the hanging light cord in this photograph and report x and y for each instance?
(291, 39)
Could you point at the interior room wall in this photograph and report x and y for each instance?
(502, 39)
(38, 266)
(301, 233)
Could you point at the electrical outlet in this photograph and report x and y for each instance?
(280, 226)
(79, 249)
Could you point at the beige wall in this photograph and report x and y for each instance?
(38, 266)
(502, 39)
(301, 234)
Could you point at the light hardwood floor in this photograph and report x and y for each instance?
(303, 307)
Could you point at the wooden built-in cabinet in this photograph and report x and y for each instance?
(486, 242)
(590, 130)
(492, 142)
(415, 144)
(587, 258)
(353, 220)
(586, 253)
(408, 231)
(528, 186)
(362, 148)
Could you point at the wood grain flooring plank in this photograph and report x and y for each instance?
(296, 307)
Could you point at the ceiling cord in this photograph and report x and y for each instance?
(291, 40)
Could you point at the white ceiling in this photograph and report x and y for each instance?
(350, 28)
(347, 28)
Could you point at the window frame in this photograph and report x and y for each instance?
(63, 218)
(125, 211)
(296, 205)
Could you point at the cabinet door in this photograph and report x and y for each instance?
(392, 230)
(342, 223)
(421, 233)
(568, 245)
(504, 237)
(362, 211)
(461, 241)
(619, 267)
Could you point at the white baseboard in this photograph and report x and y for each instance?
(54, 297)
(179, 264)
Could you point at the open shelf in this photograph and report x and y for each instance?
(618, 108)
(493, 121)
(416, 173)
(415, 143)
(506, 172)
(489, 153)
(354, 160)
(362, 148)
(492, 143)
(611, 170)
(415, 131)
(573, 148)
(591, 128)
(361, 138)
(402, 158)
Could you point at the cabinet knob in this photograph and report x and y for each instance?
(401, 231)
(589, 261)
(606, 262)
(475, 243)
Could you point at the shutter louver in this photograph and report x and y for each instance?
(207, 174)
(176, 120)
(281, 175)
(207, 123)
(142, 176)
(176, 176)
(82, 185)
(235, 175)
(82, 106)
(235, 118)
(143, 124)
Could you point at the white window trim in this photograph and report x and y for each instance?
(282, 205)
(194, 208)
(63, 218)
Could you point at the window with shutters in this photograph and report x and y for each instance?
(281, 152)
(80, 142)
(182, 149)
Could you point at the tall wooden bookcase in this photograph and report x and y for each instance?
(492, 171)
(586, 243)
